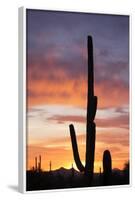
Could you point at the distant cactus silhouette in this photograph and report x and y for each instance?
(90, 125)
(107, 167)
(37, 167)
(36, 164)
(50, 165)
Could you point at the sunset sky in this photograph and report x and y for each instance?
(57, 86)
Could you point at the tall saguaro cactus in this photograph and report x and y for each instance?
(90, 125)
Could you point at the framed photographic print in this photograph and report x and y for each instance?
(73, 100)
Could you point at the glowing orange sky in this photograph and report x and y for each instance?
(59, 151)
(53, 92)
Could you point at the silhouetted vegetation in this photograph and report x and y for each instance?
(126, 172)
(70, 178)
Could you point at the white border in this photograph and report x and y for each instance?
(22, 101)
(130, 100)
(22, 98)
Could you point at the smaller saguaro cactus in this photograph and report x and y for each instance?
(107, 168)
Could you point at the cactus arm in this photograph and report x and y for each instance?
(75, 148)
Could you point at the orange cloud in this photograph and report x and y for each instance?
(68, 91)
(112, 94)
(121, 121)
(69, 118)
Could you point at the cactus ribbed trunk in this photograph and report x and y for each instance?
(90, 125)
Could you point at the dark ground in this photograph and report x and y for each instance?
(70, 178)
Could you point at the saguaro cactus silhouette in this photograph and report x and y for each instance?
(90, 125)
(39, 168)
(50, 165)
(36, 164)
(107, 167)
